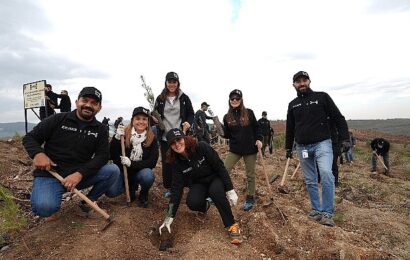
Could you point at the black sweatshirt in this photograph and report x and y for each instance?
(380, 150)
(72, 144)
(203, 166)
(149, 156)
(309, 116)
(242, 139)
(266, 129)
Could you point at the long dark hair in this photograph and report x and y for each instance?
(165, 91)
(243, 119)
(191, 144)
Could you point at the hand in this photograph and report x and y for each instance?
(119, 132)
(154, 119)
(43, 162)
(167, 223)
(185, 127)
(125, 161)
(232, 197)
(289, 154)
(72, 180)
(258, 144)
(346, 146)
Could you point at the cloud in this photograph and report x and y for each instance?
(383, 6)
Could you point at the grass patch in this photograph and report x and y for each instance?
(278, 141)
(338, 217)
(11, 218)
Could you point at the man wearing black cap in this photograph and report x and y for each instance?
(51, 103)
(267, 131)
(308, 123)
(75, 145)
(201, 128)
(380, 147)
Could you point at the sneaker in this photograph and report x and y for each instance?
(84, 207)
(167, 194)
(248, 205)
(235, 234)
(143, 199)
(208, 202)
(327, 220)
(315, 215)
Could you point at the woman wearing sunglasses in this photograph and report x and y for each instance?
(141, 148)
(198, 166)
(245, 138)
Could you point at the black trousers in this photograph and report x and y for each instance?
(198, 192)
(166, 167)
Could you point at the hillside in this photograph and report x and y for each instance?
(391, 126)
(372, 216)
(10, 129)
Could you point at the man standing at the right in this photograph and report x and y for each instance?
(308, 119)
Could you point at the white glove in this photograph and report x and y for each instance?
(125, 161)
(167, 223)
(119, 132)
(232, 197)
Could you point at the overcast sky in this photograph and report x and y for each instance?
(357, 51)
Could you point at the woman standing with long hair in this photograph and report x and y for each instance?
(245, 138)
(141, 149)
(198, 166)
(176, 111)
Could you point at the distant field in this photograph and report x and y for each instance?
(391, 126)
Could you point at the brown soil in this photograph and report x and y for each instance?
(372, 216)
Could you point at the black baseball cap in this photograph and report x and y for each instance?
(264, 113)
(140, 110)
(204, 104)
(173, 134)
(301, 74)
(91, 91)
(235, 92)
(172, 75)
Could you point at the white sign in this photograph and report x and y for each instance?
(34, 94)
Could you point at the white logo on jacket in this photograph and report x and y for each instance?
(297, 105)
(187, 170)
(69, 128)
(314, 102)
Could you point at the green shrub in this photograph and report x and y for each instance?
(11, 219)
(279, 141)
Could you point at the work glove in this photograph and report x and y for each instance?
(167, 223)
(232, 197)
(125, 161)
(119, 132)
(289, 154)
(345, 146)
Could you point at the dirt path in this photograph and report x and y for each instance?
(372, 218)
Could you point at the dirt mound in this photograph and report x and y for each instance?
(372, 216)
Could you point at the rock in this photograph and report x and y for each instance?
(4, 248)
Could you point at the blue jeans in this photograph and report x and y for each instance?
(320, 153)
(48, 191)
(349, 155)
(145, 178)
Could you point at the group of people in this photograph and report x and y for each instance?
(77, 146)
(52, 102)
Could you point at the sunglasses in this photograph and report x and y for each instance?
(235, 98)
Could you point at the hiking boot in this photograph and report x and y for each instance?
(327, 220)
(133, 189)
(84, 207)
(143, 199)
(248, 205)
(315, 215)
(167, 194)
(235, 234)
(386, 172)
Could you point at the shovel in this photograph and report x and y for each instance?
(294, 173)
(280, 188)
(380, 160)
(88, 201)
(127, 190)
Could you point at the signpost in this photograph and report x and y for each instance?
(34, 96)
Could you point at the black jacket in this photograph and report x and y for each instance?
(65, 103)
(385, 146)
(149, 156)
(203, 166)
(309, 116)
(72, 144)
(185, 107)
(242, 139)
(266, 129)
(200, 120)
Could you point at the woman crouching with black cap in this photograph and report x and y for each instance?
(141, 148)
(198, 166)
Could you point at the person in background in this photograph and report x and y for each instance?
(349, 153)
(198, 166)
(51, 103)
(266, 130)
(175, 109)
(380, 147)
(245, 139)
(141, 149)
(201, 128)
(65, 102)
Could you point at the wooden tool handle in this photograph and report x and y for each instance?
(285, 172)
(297, 168)
(127, 190)
(83, 197)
